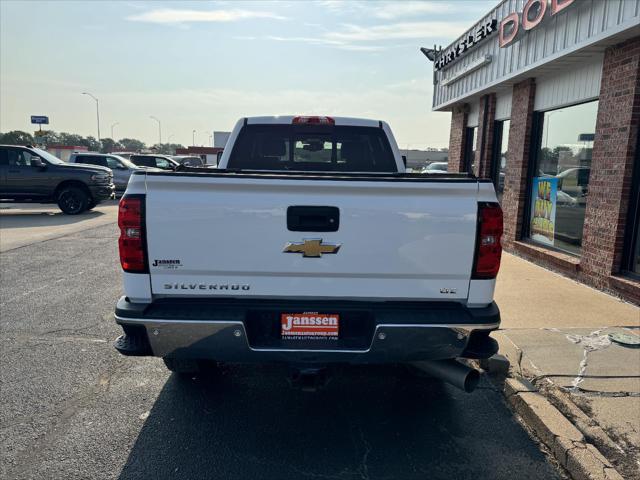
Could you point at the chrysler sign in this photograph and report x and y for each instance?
(510, 29)
(474, 37)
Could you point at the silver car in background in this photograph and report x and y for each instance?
(189, 160)
(120, 166)
(437, 167)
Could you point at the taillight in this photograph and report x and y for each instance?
(488, 247)
(132, 244)
(313, 121)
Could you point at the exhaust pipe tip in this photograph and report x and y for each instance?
(452, 372)
(471, 381)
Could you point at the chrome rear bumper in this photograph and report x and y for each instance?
(227, 340)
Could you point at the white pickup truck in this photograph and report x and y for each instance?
(310, 245)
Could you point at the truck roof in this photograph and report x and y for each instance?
(288, 119)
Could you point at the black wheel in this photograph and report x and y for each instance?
(183, 366)
(73, 200)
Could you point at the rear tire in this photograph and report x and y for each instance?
(182, 366)
(73, 200)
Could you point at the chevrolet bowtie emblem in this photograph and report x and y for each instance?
(311, 247)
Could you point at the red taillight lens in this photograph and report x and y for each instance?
(488, 247)
(132, 242)
(313, 121)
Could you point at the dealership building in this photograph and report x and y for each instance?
(545, 100)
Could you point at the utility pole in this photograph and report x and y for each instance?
(159, 129)
(113, 125)
(193, 140)
(97, 111)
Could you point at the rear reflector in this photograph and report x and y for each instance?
(313, 121)
(488, 247)
(132, 244)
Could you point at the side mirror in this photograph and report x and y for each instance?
(121, 167)
(37, 162)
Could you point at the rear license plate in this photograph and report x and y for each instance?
(309, 326)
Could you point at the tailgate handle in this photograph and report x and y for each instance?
(313, 219)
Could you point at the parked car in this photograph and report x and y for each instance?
(28, 174)
(126, 155)
(189, 160)
(163, 162)
(437, 167)
(575, 182)
(323, 254)
(120, 166)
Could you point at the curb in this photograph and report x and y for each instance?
(568, 445)
(566, 441)
(522, 367)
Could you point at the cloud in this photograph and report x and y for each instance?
(359, 38)
(390, 10)
(311, 40)
(180, 16)
(328, 42)
(395, 31)
(361, 48)
(386, 10)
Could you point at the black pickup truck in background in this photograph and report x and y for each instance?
(28, 174)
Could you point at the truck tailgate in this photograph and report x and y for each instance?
(217, 235)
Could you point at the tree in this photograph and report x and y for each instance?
(109, 145)
(166, 148)
(131, 144)
(46, 137)
(16, 137)
(71, 139)
(91, 143)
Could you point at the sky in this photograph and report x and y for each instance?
(203, 65)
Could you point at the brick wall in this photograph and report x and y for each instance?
(486, 125)
(457, 139)
(515, 187)
(613, 160)
(614, 154)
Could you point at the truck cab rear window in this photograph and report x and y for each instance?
(304, 148)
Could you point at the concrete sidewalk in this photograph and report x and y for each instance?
(556, 334)
(24, 224)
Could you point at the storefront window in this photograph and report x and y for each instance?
(632, 258)
(561, 178)
(501, 152)
(470, 151)
(635, 254)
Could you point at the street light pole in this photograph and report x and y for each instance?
(159, 129)
(97, 111)
(113, 125)
(169, 138)
(193, 140)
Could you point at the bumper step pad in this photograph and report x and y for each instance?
(133, 344)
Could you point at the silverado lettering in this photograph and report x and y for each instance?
(203, 286)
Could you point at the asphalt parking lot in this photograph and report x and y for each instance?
(73, 408)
